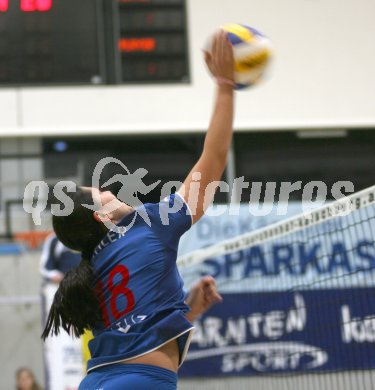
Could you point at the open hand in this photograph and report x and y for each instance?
(220, 61)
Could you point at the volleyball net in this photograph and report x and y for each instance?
(299, 294)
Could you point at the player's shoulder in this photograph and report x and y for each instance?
(170, 204)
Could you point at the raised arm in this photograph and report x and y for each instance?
(211, 164)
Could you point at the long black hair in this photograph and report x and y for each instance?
(75, 306)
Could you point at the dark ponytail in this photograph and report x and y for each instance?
(75, 306)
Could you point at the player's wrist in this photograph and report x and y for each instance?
(225, 90)
(193, 315)
(225, 82)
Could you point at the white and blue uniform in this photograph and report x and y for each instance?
(139, 286)
(63, 366)
(56, 258)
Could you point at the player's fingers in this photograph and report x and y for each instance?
(210, 290)
(208, 60)
(228, 49)
(214, 45)
(224, 45)
(215, 297)
(216, 51)
(208, 284)
(208, 279)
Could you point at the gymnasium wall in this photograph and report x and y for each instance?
(20, 324)
(322, 77)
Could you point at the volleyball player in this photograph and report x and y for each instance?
(140, 316)
(56, 261)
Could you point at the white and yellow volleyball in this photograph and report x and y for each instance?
(252, 54)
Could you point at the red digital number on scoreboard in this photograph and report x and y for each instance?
(28, 5)
(36, 5)
(129, 45)
(4, 4)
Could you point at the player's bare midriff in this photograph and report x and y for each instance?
(166, 357)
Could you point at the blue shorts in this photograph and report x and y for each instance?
(130, 377)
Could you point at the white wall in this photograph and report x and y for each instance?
(8, 110)
(20, 324)
(323, 76)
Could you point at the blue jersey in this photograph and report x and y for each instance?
(139, 286)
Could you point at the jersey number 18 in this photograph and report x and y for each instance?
(116, 290)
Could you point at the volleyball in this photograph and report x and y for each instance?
(252, 54)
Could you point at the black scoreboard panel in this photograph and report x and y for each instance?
(152, 40)
(50, 42)
(92, 41)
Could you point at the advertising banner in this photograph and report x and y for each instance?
(273, 333)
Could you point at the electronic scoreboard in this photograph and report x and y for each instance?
(52, 42)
